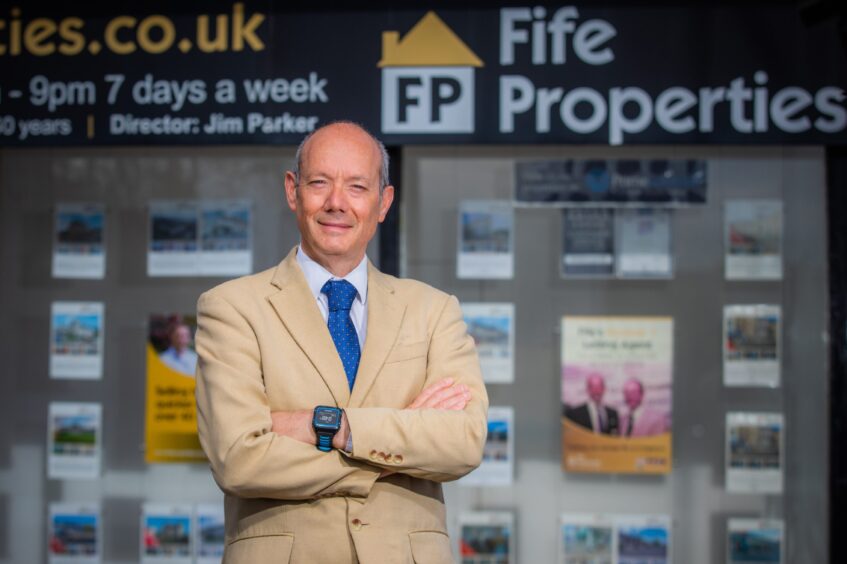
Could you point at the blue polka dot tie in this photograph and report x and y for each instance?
(340, 294)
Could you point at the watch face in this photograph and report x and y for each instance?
(327, 417)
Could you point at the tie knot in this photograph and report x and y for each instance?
(340, 294)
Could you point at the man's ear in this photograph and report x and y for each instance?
(291, 190)
(385, 200)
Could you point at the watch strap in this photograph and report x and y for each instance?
(325, 441)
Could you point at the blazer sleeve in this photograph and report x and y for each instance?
(434, 444)
(234, 421)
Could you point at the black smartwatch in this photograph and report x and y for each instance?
(326, 422)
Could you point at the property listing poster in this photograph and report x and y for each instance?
(209, 531)
(614, 539)
(588, 243)
(487, 537)
(492, 326)
(74, 439)
(751, 345)
(173, 248)
(754, 452)
(206, 238)
(616, 394)
(171, 415)
(498, 455)
(753, 240)
(486, 240)
(643, 539)
(166, 533)
(586, 538)
(74, 534)
(78, 248)
(76, 340)
(226, 245)
(643, 243)
(755, 541)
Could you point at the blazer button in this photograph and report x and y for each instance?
(381, 455)
(357, 524)
(373, 455)
(398, 459)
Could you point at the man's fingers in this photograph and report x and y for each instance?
(455, 403)
(449, 394)
(446, 394)
(427, 393)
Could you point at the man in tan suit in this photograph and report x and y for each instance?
(414, 405)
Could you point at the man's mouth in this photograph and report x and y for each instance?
(333, 224)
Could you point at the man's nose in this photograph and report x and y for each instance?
(336, 199)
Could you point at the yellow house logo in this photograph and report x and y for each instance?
(427, 80)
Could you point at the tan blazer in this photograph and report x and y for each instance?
(263, 346)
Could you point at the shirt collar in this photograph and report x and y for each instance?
(316, 275)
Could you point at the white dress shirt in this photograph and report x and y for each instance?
(317, 276)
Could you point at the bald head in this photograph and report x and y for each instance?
(303, 148)
(633, 392)
(339, 195)
(595, 385)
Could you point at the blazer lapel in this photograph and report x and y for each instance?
(385, 315)
(295, 305)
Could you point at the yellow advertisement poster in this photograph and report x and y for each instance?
(171, 413)
(616, 394)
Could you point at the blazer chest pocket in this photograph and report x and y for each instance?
(262, 548)
(409, 351)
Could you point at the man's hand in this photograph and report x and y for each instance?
(442, 395)
(298, 426)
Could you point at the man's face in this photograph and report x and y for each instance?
(337, 202)
(181, 337)
(596, 387)
(632, 394)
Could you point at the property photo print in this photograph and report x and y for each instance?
(210, 534)
(74, 440)
(226, 242)
(492, 326)
(486, 232)
(643, 243)
(647, 544)
(754, 451)
(76, 340)
(173, 239)
(752, 339)
(166, 534)
(78, 248)
(754, 541)
(753, 240)
(74, 534)
(225, 226)
(486, 538)
(586, 539)
(497, 466)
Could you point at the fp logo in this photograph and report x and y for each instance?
(427, 80)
